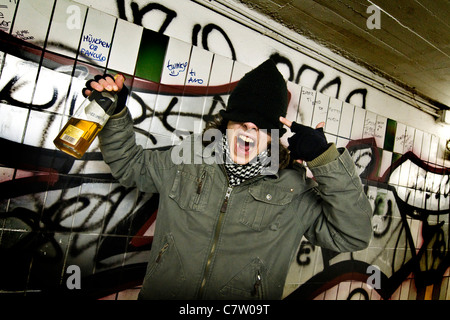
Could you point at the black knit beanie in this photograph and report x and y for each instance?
(260, 97)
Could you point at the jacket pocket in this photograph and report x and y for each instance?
(264, 205)
(192, 187)
(252, 282)
(165, 275)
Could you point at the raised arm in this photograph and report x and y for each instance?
(338, 212)
(130, 164)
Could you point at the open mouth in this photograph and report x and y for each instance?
(245, 143)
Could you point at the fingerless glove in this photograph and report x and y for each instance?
(121, 96)
(306, 143)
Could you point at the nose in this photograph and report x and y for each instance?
(250, 126)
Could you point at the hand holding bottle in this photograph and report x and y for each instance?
(105, 96)
(106, 82)
(109, 83)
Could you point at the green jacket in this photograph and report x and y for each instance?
(216, 242)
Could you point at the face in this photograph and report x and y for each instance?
(246, 141)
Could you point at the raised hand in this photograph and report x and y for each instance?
(306, 143)
(105, 82)
(109, 83)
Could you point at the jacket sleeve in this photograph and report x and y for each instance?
(129, 162)
(339, 213)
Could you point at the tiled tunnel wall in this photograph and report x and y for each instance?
(56, 211)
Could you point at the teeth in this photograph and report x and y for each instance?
(246, 139)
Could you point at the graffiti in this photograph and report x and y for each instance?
(208, 30)
(24, 35)
(93, 44)
(4, 24)
(176, 68)
(139, 13)
(428, 260)
(57, 212)
(193, 78)
(306, 248)
(326, 88)
(205, 37)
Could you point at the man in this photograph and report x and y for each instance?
(228, 229)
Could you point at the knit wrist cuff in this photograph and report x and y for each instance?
(329, 155)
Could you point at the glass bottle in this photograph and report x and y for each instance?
(82, 128)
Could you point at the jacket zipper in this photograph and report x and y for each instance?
(216, 238)
(200, 187)
(200, 183)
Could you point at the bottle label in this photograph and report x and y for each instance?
(95, 113)
(72, 134)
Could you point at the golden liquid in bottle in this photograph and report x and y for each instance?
(76, 136)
